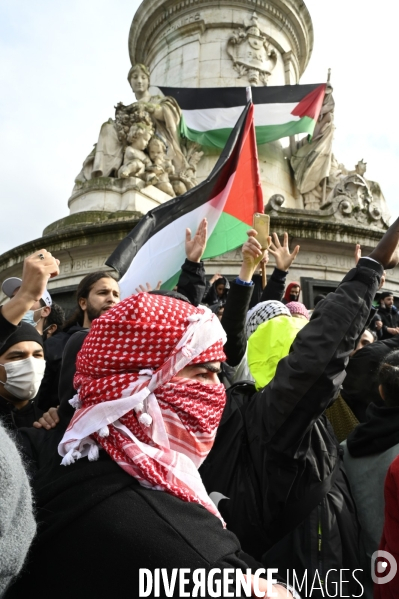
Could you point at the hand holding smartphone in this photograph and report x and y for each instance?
(261, 224)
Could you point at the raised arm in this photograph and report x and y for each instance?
(236, 308)
(308, 379)
(37, 270)
(192, 278)
(274, 289)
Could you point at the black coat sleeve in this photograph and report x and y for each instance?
(192, 282)
(6, 328)
(309, 377)
(233, 322)
(66, 389)
(274, 289)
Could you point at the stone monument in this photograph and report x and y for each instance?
(139, 160)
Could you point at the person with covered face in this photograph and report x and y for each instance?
(22, 368)
(276, 465)
(123, 490)
(292, 292)
(17, 523)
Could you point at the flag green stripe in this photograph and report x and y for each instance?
(264, 134)
(229, 234)
(172, 282)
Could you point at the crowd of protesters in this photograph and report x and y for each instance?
(221, 427)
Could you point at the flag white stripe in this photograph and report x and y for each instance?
(164, 253)
(209, 119)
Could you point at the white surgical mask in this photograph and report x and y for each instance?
(29, 317)
(24, 377)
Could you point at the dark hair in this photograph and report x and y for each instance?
(56, 316)
(385, 294)
(388, 378)
(83, 290)
(372, 333)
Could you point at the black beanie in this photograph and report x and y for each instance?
(24, 332)
(385, 294)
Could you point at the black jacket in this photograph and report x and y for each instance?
(66, 389)
(192, 282)
(276, 456)
(54, 346)
(358, 390)
(97, 527)
(6, 328)
(14, 419)
(390, 319)
(379, 432)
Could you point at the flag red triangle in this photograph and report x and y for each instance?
(310, 105)
(246, 196)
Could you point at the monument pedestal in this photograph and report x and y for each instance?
(110, 195)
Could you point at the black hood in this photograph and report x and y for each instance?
(379, 433)
(360, 387)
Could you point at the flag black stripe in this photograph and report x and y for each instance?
(193, 98)
(161, 216)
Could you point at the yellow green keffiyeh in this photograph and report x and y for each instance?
(268, 344)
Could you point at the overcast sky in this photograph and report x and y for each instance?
(63, 67)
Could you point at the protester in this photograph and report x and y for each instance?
(341, 416)
(275, 286)
(292, 292)
(271, 331)
(218, 291)
(366, 338)
(298, 310)
(55, 340)
(39, 311)
(152, 361)
(369, 450)
(54, 322)
(17, 524)
(388, 315)
(97, 292)
(218, 309)
(276, 459)
(37, 270)
(21, 371)
(192, 282)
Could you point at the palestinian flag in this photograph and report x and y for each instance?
(209, 114)
(228, 198)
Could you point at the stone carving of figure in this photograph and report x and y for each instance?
(186, 179)
(160, 167)
(162, 112)
(361, 168)
(135, 160)
(312, 161)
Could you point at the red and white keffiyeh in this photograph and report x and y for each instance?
(156, 427)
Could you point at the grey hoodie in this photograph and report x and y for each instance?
(17, 524)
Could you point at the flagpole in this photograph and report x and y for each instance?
(325, 178)
(259, 191)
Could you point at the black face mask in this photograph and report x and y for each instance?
(294, 297)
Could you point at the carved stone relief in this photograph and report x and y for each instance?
(252, 55)
(350, 202)
(142, 144)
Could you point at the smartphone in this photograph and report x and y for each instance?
(262, 226)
